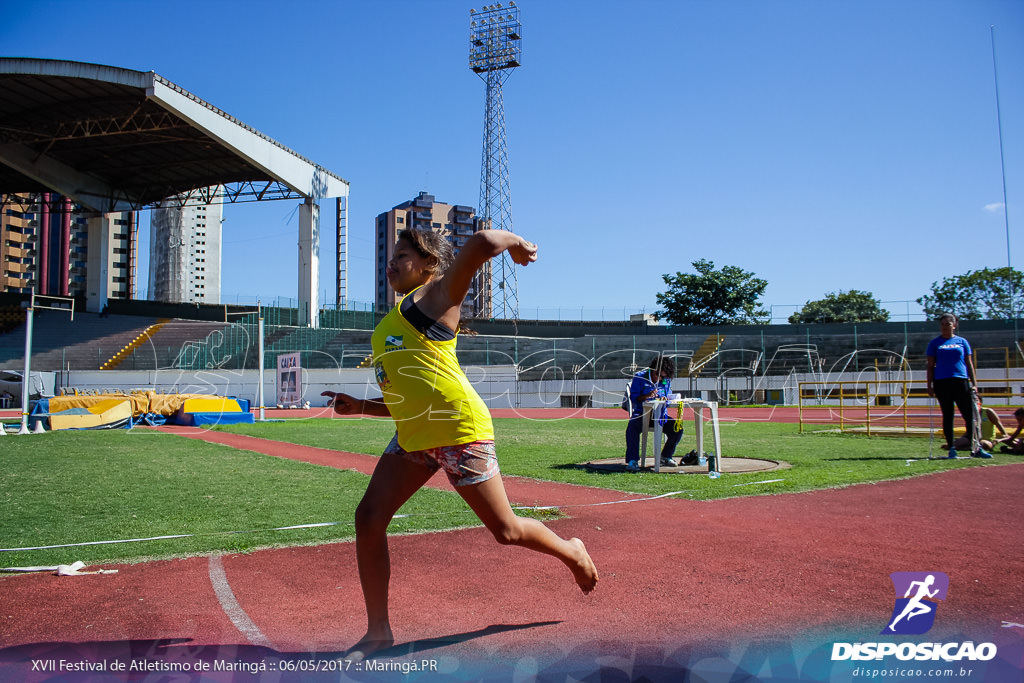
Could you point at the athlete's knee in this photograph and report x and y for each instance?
(508, 532)
(371, 518)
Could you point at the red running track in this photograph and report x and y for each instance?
(701, 589)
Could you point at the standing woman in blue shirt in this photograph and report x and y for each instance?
(951, 379)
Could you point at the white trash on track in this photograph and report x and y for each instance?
(73, 569)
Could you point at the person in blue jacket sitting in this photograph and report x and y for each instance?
(653, 382)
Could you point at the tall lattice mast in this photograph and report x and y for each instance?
(495, 47)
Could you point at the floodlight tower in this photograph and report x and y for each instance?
(495, 47)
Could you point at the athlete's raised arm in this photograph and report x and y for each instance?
(442, 298)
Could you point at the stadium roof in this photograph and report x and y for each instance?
(115, 140)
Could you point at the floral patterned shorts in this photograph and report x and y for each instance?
(465, 464)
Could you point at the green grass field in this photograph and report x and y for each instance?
(75, 487)
(78, 487)
(556, 450)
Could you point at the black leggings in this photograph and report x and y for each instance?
(950, 391)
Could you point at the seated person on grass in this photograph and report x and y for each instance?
(1013, 443)
(992, 430)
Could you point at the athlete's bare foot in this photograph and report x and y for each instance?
(583, 569)
(369, 644)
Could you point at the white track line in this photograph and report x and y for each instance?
(230, 605)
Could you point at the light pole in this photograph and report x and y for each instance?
(495, 49)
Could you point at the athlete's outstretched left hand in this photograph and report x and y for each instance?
(343, 403)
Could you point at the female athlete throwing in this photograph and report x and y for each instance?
(441, 421)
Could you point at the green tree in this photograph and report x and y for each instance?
(853, 306)
(992, 293)
(712, 297)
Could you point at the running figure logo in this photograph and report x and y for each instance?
(916, 596)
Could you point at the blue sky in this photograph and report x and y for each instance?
(824, 145)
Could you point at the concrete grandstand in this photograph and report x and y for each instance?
(572, 365)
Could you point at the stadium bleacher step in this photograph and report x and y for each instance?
(146, 335)
(704, 353)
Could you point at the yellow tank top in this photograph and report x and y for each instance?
(988, 429)
(426, 391)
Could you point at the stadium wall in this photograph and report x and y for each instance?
(497, 385)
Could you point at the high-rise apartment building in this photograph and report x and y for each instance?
(185, 252)
(455, 221)
(44, 246)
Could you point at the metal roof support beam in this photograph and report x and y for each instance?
(81, 129)
(83, 188)
(309, 263)
(275, 160)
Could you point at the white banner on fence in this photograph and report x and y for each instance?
(289, 379)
